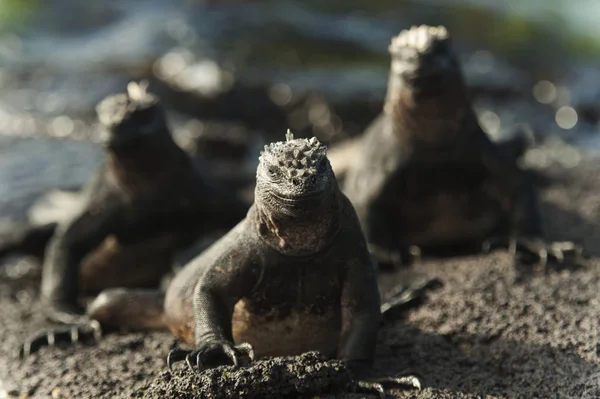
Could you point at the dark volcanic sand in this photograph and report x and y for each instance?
(480, 336)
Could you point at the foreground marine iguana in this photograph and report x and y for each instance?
(425, 176)
(146, 202)
(294, 276)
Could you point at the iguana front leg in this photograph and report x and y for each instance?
(214, 298)
(361, 317)
(73, 241)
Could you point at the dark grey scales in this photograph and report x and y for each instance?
(294, 276)
(425, 178)
(145, 203)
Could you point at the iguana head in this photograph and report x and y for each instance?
(131, 118)
(293, 176)
(426, 92)
(422, 52)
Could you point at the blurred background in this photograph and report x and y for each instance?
(254, 68)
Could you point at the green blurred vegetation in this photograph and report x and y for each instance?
(14, 14)
(524, 31)
(519, 36)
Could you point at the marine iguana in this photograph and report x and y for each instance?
(146, 202)
(425, 177)
(294, 276)
(221, 151)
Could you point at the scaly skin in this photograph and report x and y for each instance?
(298, 259)
(426, 177)
(294, 276)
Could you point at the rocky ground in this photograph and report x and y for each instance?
(483, 335)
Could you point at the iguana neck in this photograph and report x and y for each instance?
(138, 171)
(301, 235)
(427, 111)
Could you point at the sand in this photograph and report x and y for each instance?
(483, 335)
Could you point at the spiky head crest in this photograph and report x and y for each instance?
(423, 55)
(420, 39)
(291, 171)
(119, 108)
(294, 158)
(130, 115)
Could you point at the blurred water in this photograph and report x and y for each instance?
(29, 167)
(531, 62)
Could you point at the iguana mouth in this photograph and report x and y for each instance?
(299, 200)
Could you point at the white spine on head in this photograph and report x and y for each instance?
(419, 38)
(294, 157)
(137, 91)
(289, 136)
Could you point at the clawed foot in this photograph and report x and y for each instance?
(377, 386)
(403, 297)
(537, 251)
(73, 334)
(212, 355)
